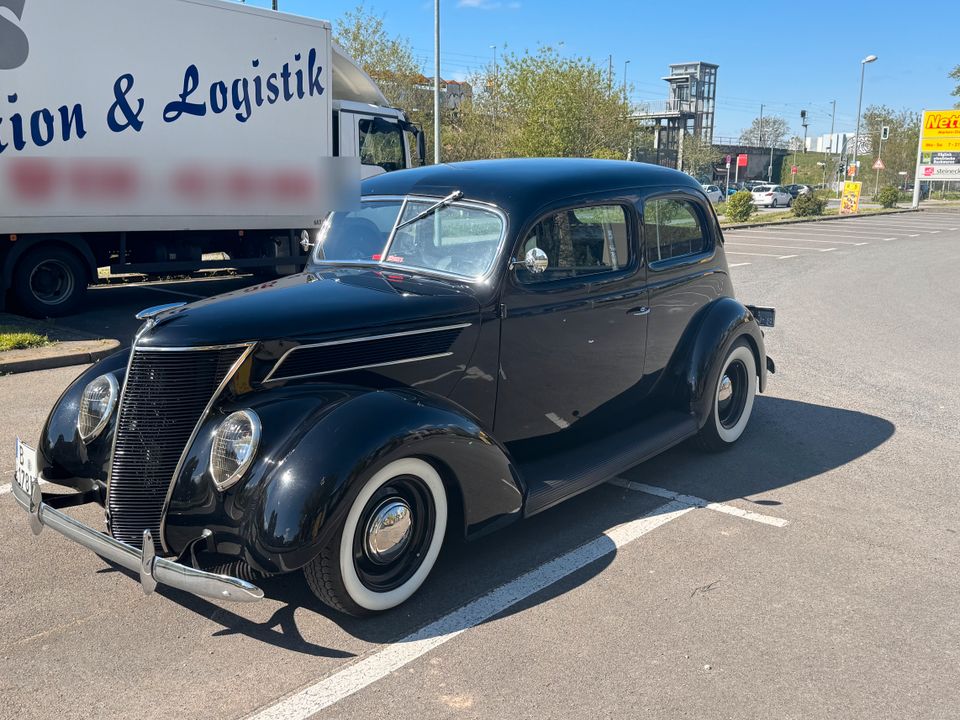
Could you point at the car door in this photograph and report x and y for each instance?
(679, 243)
(572, 337)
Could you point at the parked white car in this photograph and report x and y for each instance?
(714, 193)
(771, 196)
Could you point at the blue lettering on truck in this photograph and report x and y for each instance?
(14, 46)
(219, 95)
(241, 96)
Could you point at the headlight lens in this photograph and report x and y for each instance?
(96, 406)
(234, 446)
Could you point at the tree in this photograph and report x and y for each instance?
(899, 151)
(560, 107)
(955, 75)
(772, 133)
(699, 156)
(388, 60)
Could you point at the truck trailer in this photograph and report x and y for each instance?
(141, 135)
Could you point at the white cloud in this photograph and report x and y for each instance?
(487, 4)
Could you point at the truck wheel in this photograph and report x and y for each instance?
(733, 392)
(388, 543)
(49, 282)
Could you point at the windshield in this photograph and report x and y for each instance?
(457, 239)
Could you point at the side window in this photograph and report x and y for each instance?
(671, 229)
(578, 242)
(381, 143)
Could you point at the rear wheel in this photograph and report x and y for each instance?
(49, 282)
(389, 541)
(733, 393)
(773, 203)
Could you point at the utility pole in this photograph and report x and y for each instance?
(496, 98)
(625, 63)
(436, 82)
(829, 151)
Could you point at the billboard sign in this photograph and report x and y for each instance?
(939, 146)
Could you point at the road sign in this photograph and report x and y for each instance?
(728, 159)
(852, 170)
(793, 170)
(878, 165)
(742, 160)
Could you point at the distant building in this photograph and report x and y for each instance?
(837, 143)
(689, 109)
(453, 93)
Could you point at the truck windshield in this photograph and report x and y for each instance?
(459, 239)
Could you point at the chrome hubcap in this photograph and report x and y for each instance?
(389, 531)
(725, 391)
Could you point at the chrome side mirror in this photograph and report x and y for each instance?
(305, 242)
(535, 261)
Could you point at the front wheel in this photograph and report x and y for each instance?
(389, 541)
(733, 394)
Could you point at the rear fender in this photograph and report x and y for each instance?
(706, 343)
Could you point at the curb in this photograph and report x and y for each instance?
(52, 361)
(828, 218)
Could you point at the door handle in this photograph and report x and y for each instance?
(642, 310)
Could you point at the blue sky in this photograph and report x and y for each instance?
(750, 41)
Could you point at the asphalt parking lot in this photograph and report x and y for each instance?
(812, 571)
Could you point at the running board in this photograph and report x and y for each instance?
(558, 477)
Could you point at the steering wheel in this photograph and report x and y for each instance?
(356, 239)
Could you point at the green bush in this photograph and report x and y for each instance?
(809, 204)
(740, 206)
(720, 208)
(888, 197)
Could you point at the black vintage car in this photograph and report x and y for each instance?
(470, 346)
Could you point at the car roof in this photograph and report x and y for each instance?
(526, 183)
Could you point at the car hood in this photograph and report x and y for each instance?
(334, 303)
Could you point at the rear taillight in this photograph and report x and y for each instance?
(769, 194)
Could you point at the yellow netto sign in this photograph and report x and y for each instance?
(939, 157)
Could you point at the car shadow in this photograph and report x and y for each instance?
(787, 442)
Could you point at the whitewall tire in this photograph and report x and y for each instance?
(733, 395)
(389, 541)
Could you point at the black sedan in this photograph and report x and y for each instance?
(471, 345)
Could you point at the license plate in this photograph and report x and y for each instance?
(766, 316)
(25, 473)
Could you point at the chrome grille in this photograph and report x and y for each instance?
(164, 396)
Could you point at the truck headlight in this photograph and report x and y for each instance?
(96, 406)
(234, 446)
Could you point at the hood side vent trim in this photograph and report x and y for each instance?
(363, 353)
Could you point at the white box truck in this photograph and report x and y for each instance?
(142, 134)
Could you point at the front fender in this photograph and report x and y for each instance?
(61, 454)
(706, 344)
(319, 443)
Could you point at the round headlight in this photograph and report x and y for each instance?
(96, 406)
(234, 446)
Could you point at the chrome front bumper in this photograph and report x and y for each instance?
(152, 569)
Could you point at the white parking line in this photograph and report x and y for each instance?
(782, 247)
(779, 257)
(889, 239)
(694, 501)
(353, 678)
(792, 238)
(737, 264)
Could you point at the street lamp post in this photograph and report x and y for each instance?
(856, 137)
(496, 90)
(625, 63)
(436, 82)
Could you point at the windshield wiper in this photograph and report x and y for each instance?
(451, 198)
